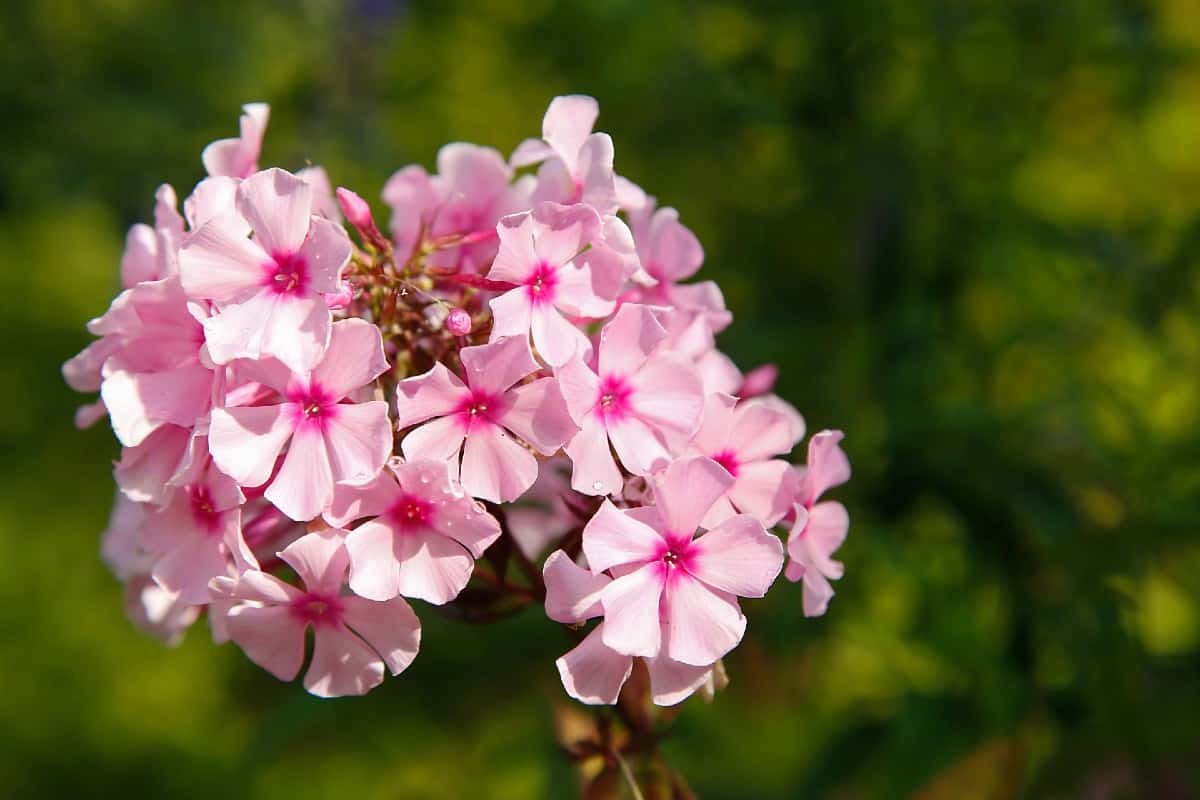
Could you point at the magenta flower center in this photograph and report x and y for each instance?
(728, 459)
(476, 410)
(541, 283)
(612, 401)
(410, 512)
(287, 274)
(675, 553)
(317, 608)
(314, 406)
(203, 512)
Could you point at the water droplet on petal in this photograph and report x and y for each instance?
(598, 485)
(477, 507)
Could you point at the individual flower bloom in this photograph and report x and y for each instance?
(593, 672)
(537, 253)
(353, 638)
(743, 437)
(477, 416)
(157, 375)
(331, 441)
(197, 534)
(238, 158)
(423, 536)
(268, 289)
(471, 191)
(668, 249)
(155, 611)
(144, 472)
(577, 164)
(646, 402)
(820, 528)
(675, 593)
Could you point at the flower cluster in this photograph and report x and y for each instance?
(315, 432)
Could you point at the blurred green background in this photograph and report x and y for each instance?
(969, 233)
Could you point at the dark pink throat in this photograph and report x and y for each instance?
(728, 459)
(317, 608)
(410, 512)
(204, 512)
(541, 284)
(287, 274)
(477, 410)
(314, 406)
(613, 398)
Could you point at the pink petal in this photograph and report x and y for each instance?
(139, 262)
(702, 624)
(672, 682)
(238, 157)
(738, 557)
(261, 587)
(592, 672)
(320, 559)
(139, 403)
(496, 468)
(434, 394)
(245, 441)
(716, 425)
(294, 330)
(595, 168)
(217, 262)
(494, 367)
(594, 471)
(668, 394)
(516, 260)
(567, 124)
(303, 488)
(538, 414)
(391, 628)
(433, 567)
(686, 490)
(278, 206)
(530, 151)
(342, 664)
(817, 593)
(631, 624)
(358, 439)
(576, 294)
(563, 231)
(827, 465)
(828, 524)
(642, 449)
(374, 561)
(627, 341)
(326, 250)
(580, 388)
(612, 538)
(572, 592)
(270, 636)
(557, 341)
(512, 314)
(765, 489)
(368, 500)
(353, 359)
(438, 440)
(761, 431)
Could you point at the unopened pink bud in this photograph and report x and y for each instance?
(355, 208)
(341, 298)
(458, 322)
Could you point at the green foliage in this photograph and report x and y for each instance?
(967, 232)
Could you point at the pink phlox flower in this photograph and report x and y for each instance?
(745, 437)
(197, 534)
(331, 441)
(353, 638)
(421, 534)
(238, 157)
(644, 401)
(268, 289)
(471, 191)
(541, 254)
(475, 415)
(673, 592)
(577, 165)
(158, 375)
(820, 527)
(593, 672)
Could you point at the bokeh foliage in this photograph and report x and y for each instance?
(968, 232)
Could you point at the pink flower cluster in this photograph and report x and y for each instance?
(316, 432)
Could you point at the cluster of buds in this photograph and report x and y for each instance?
(315, 432)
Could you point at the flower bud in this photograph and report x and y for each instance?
(458, 322)
(358, 214)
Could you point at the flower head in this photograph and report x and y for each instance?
(820, 527)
